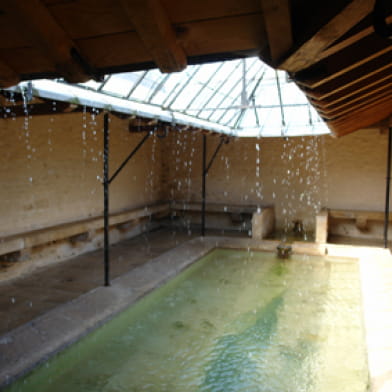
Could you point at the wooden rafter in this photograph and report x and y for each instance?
(42, 31)
(352, 78)
(358, 104)
(277, 21)
(158, 35)
(7, 76)
(363, 86)
(345, 61)
(373, 114)
(350, 39)
(353, 99)
(308, 53)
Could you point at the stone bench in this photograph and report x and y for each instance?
(361, 220)
(16, 244)
(262, 219)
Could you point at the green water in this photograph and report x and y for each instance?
(234, 321)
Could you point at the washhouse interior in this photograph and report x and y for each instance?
(195, 196)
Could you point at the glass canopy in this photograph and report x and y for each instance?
(240, 97)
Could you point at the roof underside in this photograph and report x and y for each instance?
(238, 97)
(338, 52)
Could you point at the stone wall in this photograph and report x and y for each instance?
(298, 176)
(51, 170)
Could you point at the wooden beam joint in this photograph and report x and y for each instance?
(309, 52)
(40, 29)
(157, 33)
(277, 19)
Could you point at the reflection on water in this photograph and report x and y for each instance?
(235, 321)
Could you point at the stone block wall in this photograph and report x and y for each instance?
(298, 176)
(51, 170)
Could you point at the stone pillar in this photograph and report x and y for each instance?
(321, 232)
(263, 223)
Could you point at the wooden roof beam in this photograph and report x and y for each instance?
(157, 33)
(357, 104)
(361, 73)
(42, 30)
(8, 77)
(351, 39)
(309, 52)
(374, 81)
(372, 115)
(277, 20)
(342, 62)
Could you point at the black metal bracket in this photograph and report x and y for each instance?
(223, 140)
(106, 182)
(128, 158)
(106, 196)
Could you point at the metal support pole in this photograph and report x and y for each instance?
(203, 192)
(206, 168)
(106, 195)
(386, 217)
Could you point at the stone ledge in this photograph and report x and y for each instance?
(50, 234)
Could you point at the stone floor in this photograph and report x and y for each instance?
(23, 299)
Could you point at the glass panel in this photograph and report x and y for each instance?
(213, 92)
(92, 84)
(120, 84)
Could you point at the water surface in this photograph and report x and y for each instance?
(234, 321)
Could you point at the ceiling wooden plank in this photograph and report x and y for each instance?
(89, 18)
(8, 77)
(92, 18)
(277, 19)
(38, 63)
(233, 34)
(308, 53)
(92, 48)
(363, 119)
(42, 30)
(357, 104)
(345, 61)
(322, 107)
(358, 74)
(186, 11)
(351, 39)
(374, 81)
(236, 35)
(157, 33)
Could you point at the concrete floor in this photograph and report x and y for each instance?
(25, 298)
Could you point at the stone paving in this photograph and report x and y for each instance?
(25, 298)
